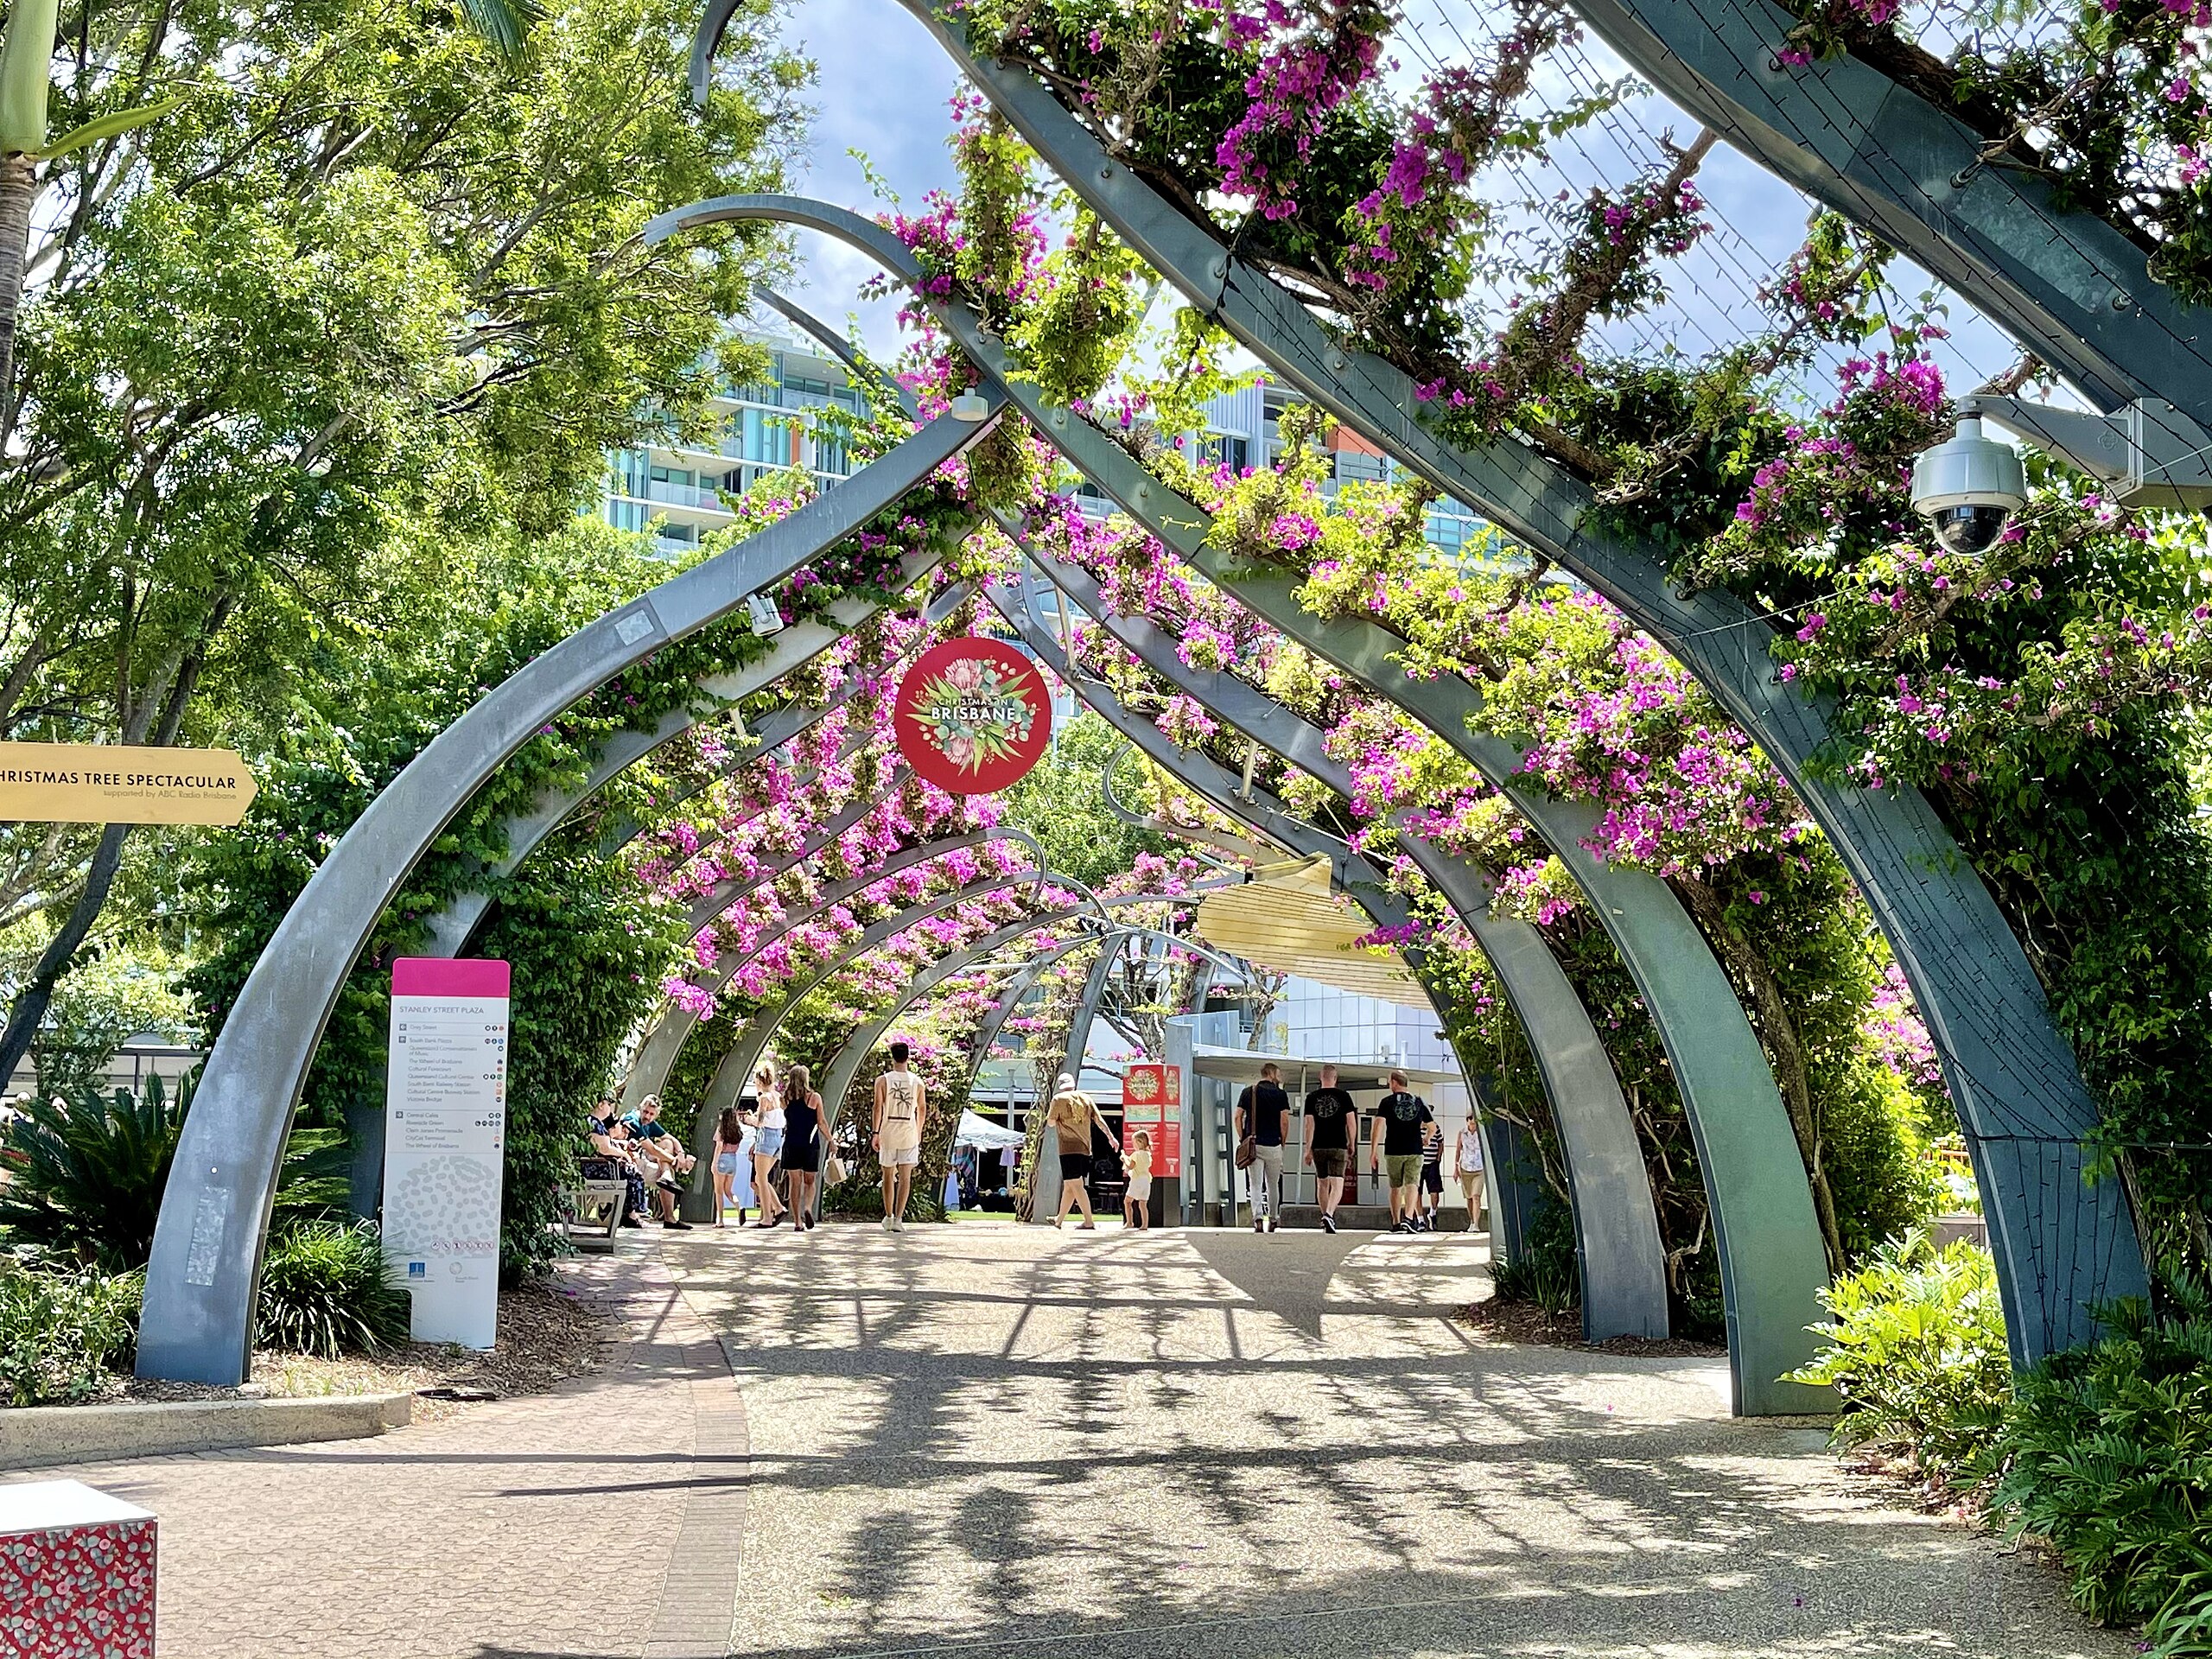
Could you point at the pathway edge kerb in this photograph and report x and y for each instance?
(45, 1437)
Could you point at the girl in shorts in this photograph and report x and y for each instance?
(1136, 1203)
(729, 1153)
(768, 1145)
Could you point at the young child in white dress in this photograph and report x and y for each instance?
(1136, 1211)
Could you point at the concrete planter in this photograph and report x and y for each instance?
(37, 1437)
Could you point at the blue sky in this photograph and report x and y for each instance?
(884, 85)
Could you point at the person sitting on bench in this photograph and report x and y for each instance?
(611, 1159)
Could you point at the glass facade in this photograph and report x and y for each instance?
(764, 427)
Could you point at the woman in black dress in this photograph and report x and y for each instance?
(802, 1129)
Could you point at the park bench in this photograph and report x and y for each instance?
(591, 1211)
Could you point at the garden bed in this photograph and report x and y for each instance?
(547, 1335)
(1528, 1325)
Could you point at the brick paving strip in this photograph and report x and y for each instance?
(600, 1521)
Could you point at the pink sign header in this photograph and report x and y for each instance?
(448, 977)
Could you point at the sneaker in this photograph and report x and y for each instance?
(890, 1225)
(1328, 1223)
(898, 1226)
(1259, 1223)
(677, 1226)
(632, 1221)
(1401, 1227)
(1273, 1223)
(668, 1185)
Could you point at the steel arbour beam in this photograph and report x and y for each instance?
(197, 1324)
(681, 1022)
(1003, 1007)
(2070, 287)
(794, 648)
(761, 1024)
(761, 1028)
(1716, 1056)
(2061, 1244)
(658, 1053)
(1617, 1224)
(1351, 872)
(837, 1076)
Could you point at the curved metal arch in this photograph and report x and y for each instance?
(1616, 1221)
(761, 1028)
(1350, 874)
(664, 1043)
(2061, 1245)
(987, 1033)
(1719, 1064)
(837, 1077)
(201, 1281)
(793, 649)
(2068, 285)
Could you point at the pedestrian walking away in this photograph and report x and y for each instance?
(1431, 1176)
(1136, 1202)
(1071, 1117)
(1332, 1137)
(901, 1113)
(1263, 1119)
(1394, 1149)
(729, 1155)
(768, 1121)
(803, 1134)
(1469, 1165)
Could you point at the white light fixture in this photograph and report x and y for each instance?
(766, 618)
(971, 406)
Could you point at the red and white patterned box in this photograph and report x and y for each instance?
(76, 1573)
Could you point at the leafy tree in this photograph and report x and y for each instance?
(1062, 803)
(371, 287)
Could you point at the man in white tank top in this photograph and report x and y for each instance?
(901, 1112)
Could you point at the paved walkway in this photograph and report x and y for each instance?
(1003, 1441)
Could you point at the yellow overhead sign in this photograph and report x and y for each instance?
(101, 783)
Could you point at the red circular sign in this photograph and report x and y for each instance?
(973, 715)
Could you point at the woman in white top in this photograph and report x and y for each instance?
(767, 1144)
(1469, 1163)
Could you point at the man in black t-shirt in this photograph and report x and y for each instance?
(1401, 1121)
(1263, 1118)
(1331, 1136)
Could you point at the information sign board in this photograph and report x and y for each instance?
(111, 783)
(1152, 1100)
(445, 1137)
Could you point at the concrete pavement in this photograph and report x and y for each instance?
(1005, 1441)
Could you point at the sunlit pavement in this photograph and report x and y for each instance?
(998, 1440)
(1011, 1441)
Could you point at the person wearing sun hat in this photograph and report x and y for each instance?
(1070, 1117)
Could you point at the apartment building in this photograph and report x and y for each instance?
(681, 491)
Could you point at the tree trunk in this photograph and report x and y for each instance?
(31, 1002)
(18, 187)
(1780, 1033)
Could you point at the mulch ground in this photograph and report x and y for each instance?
(547, 1335)
(1528, 1325)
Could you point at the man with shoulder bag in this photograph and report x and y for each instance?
(1263, 1126)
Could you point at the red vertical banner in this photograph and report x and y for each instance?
(1152, 1098)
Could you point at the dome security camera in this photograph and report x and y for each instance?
(1968, 489)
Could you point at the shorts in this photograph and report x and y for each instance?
(726, 1163)
(1140, 1187)
(1075, 1166)
(803, 1158)
(768, 1143)
(1402, 1169)
(1431, 1177)
(1330, 1162)
(896, 1157)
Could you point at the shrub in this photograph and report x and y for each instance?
(2108, 1455)
(1547, 1271)
(61, 1333)
(87, 1174)
(1917, 1353)
(325, 1292)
